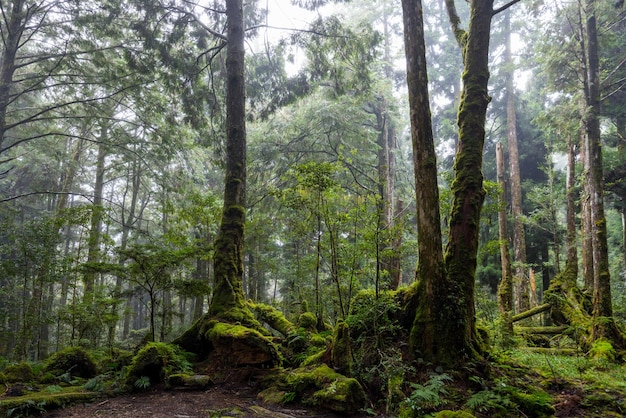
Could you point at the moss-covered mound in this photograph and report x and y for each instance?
(316, 386)
(230, 344)
(73, 360)
(154, 363)
(238, 346)
(21, 372)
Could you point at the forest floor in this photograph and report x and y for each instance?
(217, 401)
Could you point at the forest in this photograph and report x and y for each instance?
(369, 207)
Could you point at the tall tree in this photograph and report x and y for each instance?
(522, 287)
(428, 334)
(228, 265)
(603, 324)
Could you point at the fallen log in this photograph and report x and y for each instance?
(534, 311)
(552, 330)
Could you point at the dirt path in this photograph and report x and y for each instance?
(212, 403)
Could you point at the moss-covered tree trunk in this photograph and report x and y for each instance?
(505, 288)
(467, 188)
(229, 334)
(228, 256)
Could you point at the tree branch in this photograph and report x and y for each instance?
(503, 8)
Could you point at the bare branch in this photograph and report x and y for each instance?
(503, 8)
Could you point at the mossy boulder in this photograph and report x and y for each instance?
(20, 372)
(73, 360)
(156, 361)
(318, 386)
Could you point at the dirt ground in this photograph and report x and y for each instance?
(218, 401)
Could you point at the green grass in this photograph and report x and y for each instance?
(577, 368)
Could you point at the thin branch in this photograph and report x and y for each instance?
(503, 8)
(459, 33)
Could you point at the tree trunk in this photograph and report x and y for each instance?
(505, 288)
(11, 43)
(603, 323)
(522, 285)
(428, 334)
(228, 262)
(467, 188)
(571, 263)
(133, 179)
(229, 333)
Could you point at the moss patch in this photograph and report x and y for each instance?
(273, 317)
(21, 372)
(34, 404)
(236, 345)
(316, 386)
(156, 361)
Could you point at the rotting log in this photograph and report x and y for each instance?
(554, 351)
(553, 330)
(534, 311)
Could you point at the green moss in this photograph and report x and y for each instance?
(537, 404)
(341, 354)
(453, 414)
(308, 321)
(73, 360)
(238, 345)
(273, 317)
(602, 351)
(315, 358)
(21, 372)
(156, 361)
(316, 386)
(196, 382)
(33, 404)
(317, 340)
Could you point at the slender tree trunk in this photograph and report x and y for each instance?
(522, 285)
(603, 324)
(134, 179)
(571, 263)
(429, 338)
(93, 247)
(228, 259)
(505, 288)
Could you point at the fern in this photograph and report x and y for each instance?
(429, 395)
(142, 383)
(487, 401)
